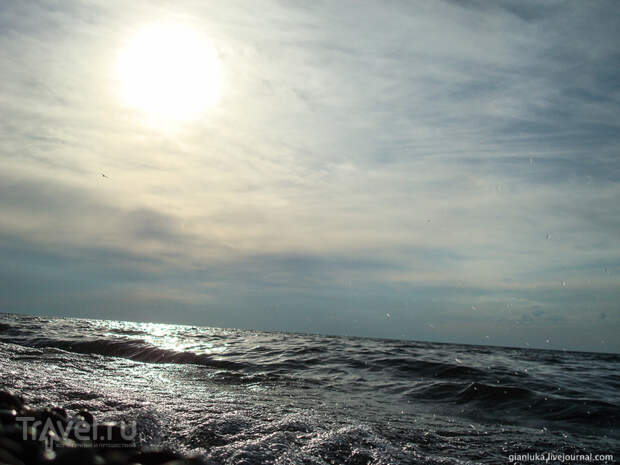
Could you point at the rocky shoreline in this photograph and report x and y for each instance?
(52, 436)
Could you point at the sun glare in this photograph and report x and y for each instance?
(169, 72)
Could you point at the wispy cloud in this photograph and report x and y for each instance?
(364, 157)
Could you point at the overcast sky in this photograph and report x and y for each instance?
(429, 170)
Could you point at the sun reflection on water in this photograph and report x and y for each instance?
(164, 336)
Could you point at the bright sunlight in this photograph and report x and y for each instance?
(169, 72)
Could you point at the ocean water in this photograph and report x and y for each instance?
(251, 397)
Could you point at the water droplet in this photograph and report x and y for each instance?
(388, 316)
(473, 307)
(548, 236)
(563, 283)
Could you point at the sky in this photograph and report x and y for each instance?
(430, 170)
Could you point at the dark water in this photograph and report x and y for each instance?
(237, 396)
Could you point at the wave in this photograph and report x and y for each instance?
(490, 383)
(490, 393)
(137, 350)
(518, 402)
(126, 332)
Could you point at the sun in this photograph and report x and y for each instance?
(169, 72)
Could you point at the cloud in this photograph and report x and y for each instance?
(416, 158)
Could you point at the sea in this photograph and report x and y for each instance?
(236, 396)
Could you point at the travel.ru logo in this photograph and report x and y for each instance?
(53, 433)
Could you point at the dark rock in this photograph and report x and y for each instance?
(113, 434)
(10, 401)
(12, 446)
(80, 430)
(22, 444)
(13, 432)
(60, 412)
(86, 416)
(81, 456)
(154, 457)
(7, 417)
(6, 457)
(27, 411)
(117, 457)
(50, 414)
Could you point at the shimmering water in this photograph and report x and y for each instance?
(237, 396)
